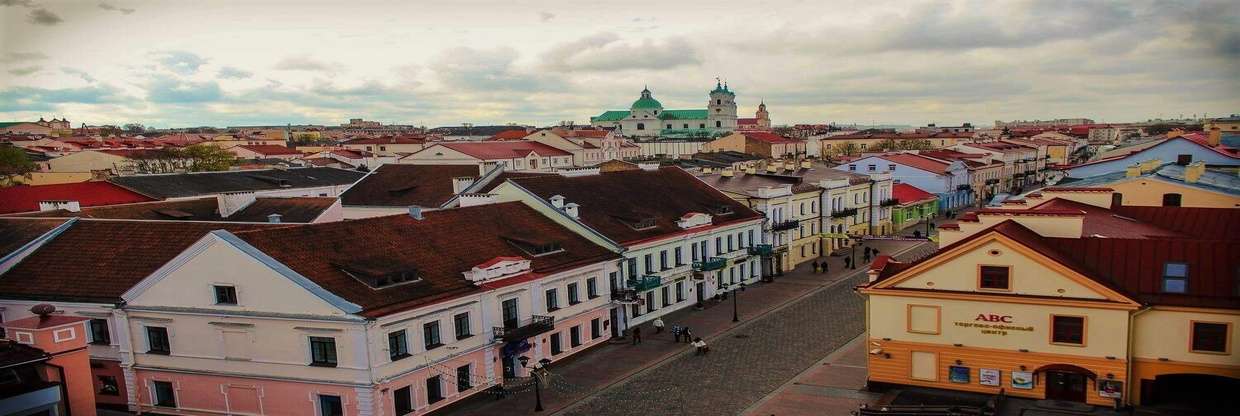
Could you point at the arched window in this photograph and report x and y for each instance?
(641, 126)
(718, 123)
(718, 102)
(1171, 200)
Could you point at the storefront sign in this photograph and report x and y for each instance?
(958, 374)
(1022, 380)
(993, 324)
(988, 377)
(1112, 389)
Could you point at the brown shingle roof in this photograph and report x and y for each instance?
(16, 232)
(291, 209)
(611, 203)
(396, 185)
(98, 260)
(439, 247)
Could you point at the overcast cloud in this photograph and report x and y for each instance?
(541, 62)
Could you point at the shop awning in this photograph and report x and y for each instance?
(1067, 368)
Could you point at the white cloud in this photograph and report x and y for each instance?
(110, 7)
(608, 52)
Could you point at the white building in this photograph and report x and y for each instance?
(646, 117)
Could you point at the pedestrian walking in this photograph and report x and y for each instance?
(701, 347)
(826, 266)
(686, 334)
(676, 332)
(637, 335)
(848, 262)
(867, 252)
(816, 267)
(658, 325)
(867, 258)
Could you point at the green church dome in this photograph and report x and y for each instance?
(646, 102)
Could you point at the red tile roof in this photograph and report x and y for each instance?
(1103, 222)
(915, 161)
(440, 247)
(614, 203)
(1204, 223)
(98, 260)
(399, 185)
(509, 135)
(504, 150)
(269, 149)
(388, 140)
(25, 198)
(908, 194)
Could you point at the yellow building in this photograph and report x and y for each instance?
(1065, 299)
(792, 209)
(856, 143)
(1154, 184)
(1230, 124)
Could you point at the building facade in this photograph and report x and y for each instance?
(646, 117)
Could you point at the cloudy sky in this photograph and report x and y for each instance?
(188, 63)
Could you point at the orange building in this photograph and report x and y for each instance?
(1062, 298)
(65, 361)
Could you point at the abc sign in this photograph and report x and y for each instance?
(1007, 319)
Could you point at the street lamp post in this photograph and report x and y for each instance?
(538, 407)
(736, 294)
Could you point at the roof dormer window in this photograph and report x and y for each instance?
(535, 248)
(380, 273)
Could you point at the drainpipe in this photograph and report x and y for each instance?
(1132, 318)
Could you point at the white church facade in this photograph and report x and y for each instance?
(647, 117)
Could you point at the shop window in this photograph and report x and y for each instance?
(1210, 337)
(994, 277)
(1069, 330)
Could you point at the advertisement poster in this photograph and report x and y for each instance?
(1022, 380)
(1113, 389)
(988, 377)
(958, 374)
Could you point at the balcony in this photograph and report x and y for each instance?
(889, 202)
(761, 250)
(645, 283)
(714, 263)
(784, 225)
(518, 330)
(624, 296)
(844, 213)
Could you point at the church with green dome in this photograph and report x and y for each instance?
(647, 118)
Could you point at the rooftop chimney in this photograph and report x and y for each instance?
(557, 201)
(475, 199)
(572, 209)
(459, 183)
(1215, 137)
(772, 168)
(1193, 172)
(707, 170)
(230, 202)
(71, 206)
(415, 212)
(274, 218)
(1133, 171)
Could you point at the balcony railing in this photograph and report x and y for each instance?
(844, 213)
(624, 296)
(645, 283)
(784, 225)
(889, 202)
(761, 250)
(518, 330)
(713, 263)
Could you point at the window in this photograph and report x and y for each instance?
(702, 125)
(430, 335)
(1068, 330)
(157, 340)
(574, 336)
(108, 386)
(694, 248)
(994, 277)
(330, 405)
(650, 305)
(669, 126)
(676, 255)
(460, 322)
(1183, 160)
(666, 294)
(382, 148)
(731, 248)
(99, 334)
(434, 390)
(323, 351)
(403, 398)
(596, 328)
(509, 310)
(165, 395)
(1175, 278)
(871, 168)
(225, 295)
(649, 260)
(553, 300)
(398, 345)
(717, 122)
(556, 348)
(852, 167)
(641, 126)
(718, 245)
(680, 291)
(1171, 200)
(1210, 337)
(573, 297)
(891, 167)
(463, 379)
(663, 265)
(591, 288)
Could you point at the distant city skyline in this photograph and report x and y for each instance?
(489, 62)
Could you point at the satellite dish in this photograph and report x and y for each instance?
(42, 309)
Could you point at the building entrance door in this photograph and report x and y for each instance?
(510, 366)
(701, 290)
(1065, 386)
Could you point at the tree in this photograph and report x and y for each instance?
(208, 158)
(14, 163)
(134, 128)
(850, 149)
